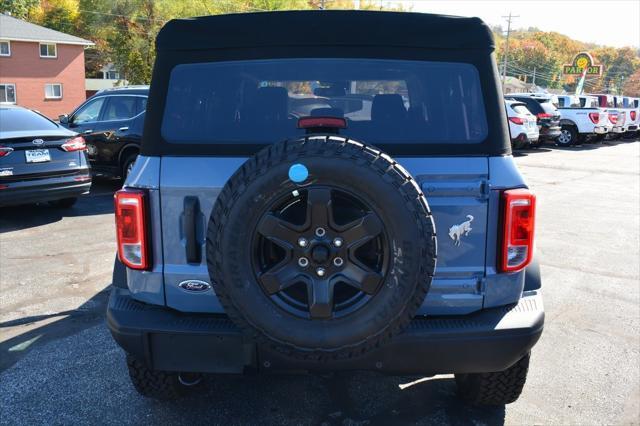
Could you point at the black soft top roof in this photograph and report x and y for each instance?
(328, 28)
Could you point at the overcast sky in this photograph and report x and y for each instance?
(608, 22)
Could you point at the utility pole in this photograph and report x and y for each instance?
(534, 76)
(506, 47)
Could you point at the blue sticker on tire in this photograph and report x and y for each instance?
(298, 173)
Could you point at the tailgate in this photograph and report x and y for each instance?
(456, 189)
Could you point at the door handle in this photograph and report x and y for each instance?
(86, 132)
(123, 129)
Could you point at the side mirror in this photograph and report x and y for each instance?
(64, 119)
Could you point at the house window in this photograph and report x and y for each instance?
(7, 93)
(53, 91)
(5, 48)
(112, 75)
(48, 50)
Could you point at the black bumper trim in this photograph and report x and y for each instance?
(489, 340)
(41, 193)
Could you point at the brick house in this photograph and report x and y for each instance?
(40, 68)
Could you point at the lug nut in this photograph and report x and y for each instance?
(320, 232)
(303, 262)
(320, 272)
(302, 242)
(337, 242)
(338, 261)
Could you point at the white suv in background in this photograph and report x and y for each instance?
(523, 125)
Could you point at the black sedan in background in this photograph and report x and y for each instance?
(40, 160)
(111, 123)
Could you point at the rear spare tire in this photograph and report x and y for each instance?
(321, 247)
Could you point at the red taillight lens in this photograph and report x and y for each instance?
(5, 150)
(519, 206)
(131, 230)
(633, 115)
(322, 122)
(613, 118)
(544, 115)
(75, 144)
(594, 117)
(516, 120)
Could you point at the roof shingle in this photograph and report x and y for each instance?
(15, 29)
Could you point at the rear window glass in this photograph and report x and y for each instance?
(532, 105)
(520, 109)
(17, 120)
(385, 101)
(550, 108)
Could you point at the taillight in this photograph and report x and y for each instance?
(5, 150)
(518, 212)
(544, 115)
(322, 122)
(131, 228)
(74, 144)
(613, 118)
(633, 115)
(594, 117)
(516, 120)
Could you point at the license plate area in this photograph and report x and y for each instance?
(37, 155)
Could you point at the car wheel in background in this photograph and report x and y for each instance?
(65, 203)
(568, 136)
(127, 166)
(599, 138)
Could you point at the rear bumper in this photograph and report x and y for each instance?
(524, 139)
(600, 130)
(549, 133)
(45, 189)
(617, 129)
(489, 340)
(632, 128)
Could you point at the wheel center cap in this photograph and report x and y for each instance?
(320, 253)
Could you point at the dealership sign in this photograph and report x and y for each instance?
(582, 61)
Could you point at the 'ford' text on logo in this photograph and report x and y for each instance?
(195, 286)
(37, 142)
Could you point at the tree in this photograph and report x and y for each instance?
(632, 84)
(60, 15)
(20, 9)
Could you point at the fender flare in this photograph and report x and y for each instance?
(119, 277)
(532, 278)
(567, 122)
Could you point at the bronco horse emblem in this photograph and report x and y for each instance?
(456, 232)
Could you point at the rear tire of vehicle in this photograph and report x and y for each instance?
(499, 388)
(162, 385)
(65, 203)
(518, 143)
(568, 136)
(128, 165)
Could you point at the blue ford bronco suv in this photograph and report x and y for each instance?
(296, 172)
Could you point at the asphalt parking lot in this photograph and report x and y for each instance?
(59, 365)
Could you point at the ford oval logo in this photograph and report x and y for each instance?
(194, 286)
(37, 142)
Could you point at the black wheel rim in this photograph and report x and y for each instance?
(320, 252)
